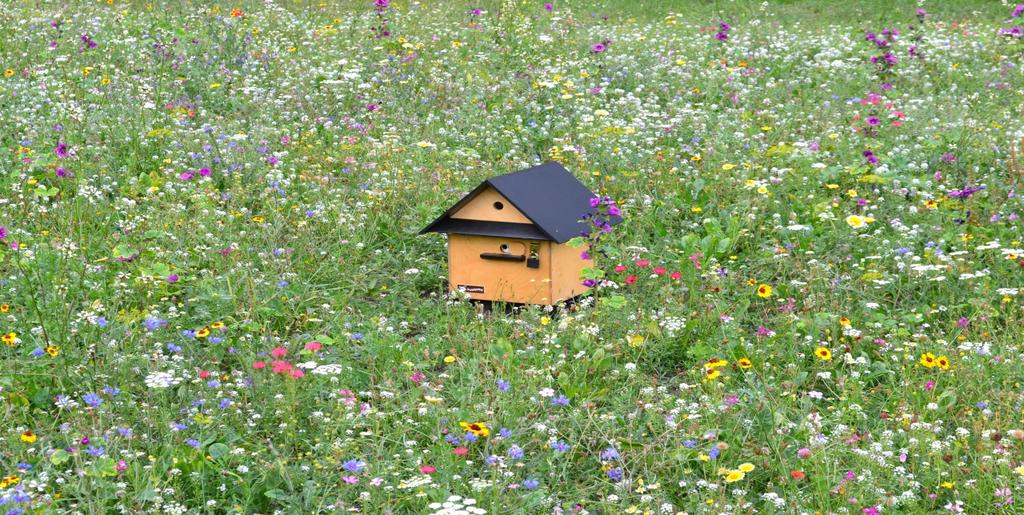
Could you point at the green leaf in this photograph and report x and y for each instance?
(218, 450)
(59, 457)
(277, 494)
(102, 467)
(614, 302)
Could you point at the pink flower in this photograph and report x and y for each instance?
(803, 453)
(278, 352)
(460, 451)
(205, 172)
(929, 386)
(259, 364)
(631, 279)
(549, 7)
(313, 346)
(620, 268)
(350, 479)
(642, 262)
(660, 270)
(297, 373)
(417, 377)
(676, 275)
(427, 469)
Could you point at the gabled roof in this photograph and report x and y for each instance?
(547, 194)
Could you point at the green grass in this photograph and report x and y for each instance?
(737, 164)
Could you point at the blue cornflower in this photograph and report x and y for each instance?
(714, 453)
(505, 432)
(92, 400)
(111, 391)
(102, 322)
(689, 444)
(561, 400)
(491, 460)
(96, 451)
(224, 403)
(192, 442)
(615, 474)
(355, 466)
(38, 352)
(531, 484)
(173, 348)
(155, 323)
(610, 454)
(515, 452)
(471, 437)
(504, 385)
(560, 446)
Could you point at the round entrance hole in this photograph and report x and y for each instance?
(499, 205)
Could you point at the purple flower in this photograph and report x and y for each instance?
(381, 4)
(515, 452)
(598, 48)
(504, 385)
(560, 446)
(721, 36)
(549, 7)
(948, 157)
(3, 232)
(561, 400)
(173, 278)
(1017, 11)
(531, 484)
(873, 120)
(92, 400)
(355, 466)
(610, 454)
(61, 150)
(615, 474)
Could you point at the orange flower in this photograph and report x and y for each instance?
(237, 13)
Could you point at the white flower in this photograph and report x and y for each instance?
(161, 380)
(547, 392)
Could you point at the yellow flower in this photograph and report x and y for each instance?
(946, 484)
(712, 373)
(705, 457)
(635, 340)
(545, 320)
(764, 291)
(844, 321)
(456, 44)
(203, 333)
(4, 308)
(52, 350)
(728, 166)
(29, 437)
(716, 363)
(431, 399)
(744, 363)
(217, 325)
(856, 221)
(477, 428)
(746, 467)
(10, 339)
(928, 360)
(942, 362)
(931, 204)
(449, 359)
(823, 353)
(9, 72)
(734, 476)
(257, 219)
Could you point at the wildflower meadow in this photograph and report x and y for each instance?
(214, 297)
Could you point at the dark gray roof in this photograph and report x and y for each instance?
(547, 194)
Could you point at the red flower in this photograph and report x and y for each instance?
(203, 374)
(620, 268)
(427, 469)
(460, 451)
(631, 279)
(642, 262)
(259, 364)
(659, 270)
(797, 474)
(676, 275)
